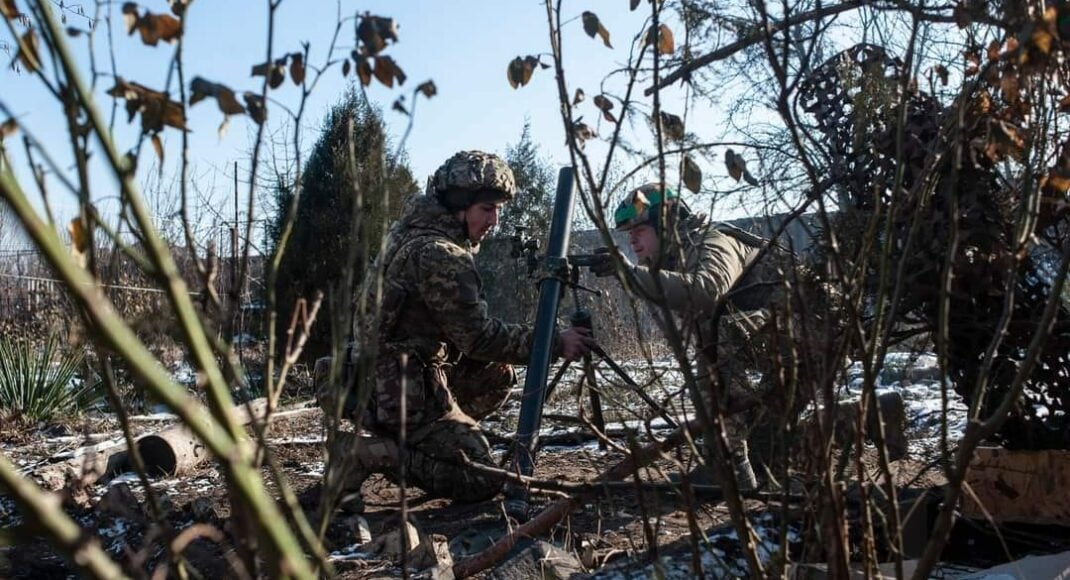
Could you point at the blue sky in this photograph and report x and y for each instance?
(463, 45)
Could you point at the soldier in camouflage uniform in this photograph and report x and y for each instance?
(435, 339)
(701, 268)
(698, 264)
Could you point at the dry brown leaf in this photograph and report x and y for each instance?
(515, 72)
(661, 39)
(8, 128)
(254, 104)
(1003, 140)
(603, 103)
(428, 88)
(1013, 134)
(672, 126)
(993, 51)
(157, 146)
(981, 105)
(1009, 88)
(593, 26)
(28, 51)
(590, 23)
(941, 72)
(157, 27)
(606, 106)
(170, 115)
(152, 27)
(155, 108)
(735, 164)
(364, 72)
(666, 45)
(345, 67)
(178, 7)
(692, 175)
(633, 5)
(386, 70)
(374, 32)
(130, 17)
(398, 73)
(530, 62)
(1056, 182)
(79, 241)
(583, 132)
(274, 71)
(1040, 43)
(520, 70)
(1064, 104)
(297, 68)
(225, 98)
(8, 9)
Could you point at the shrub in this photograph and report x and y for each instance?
(40, 383)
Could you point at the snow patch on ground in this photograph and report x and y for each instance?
(9, 514)
(352, 552)
(916, 376)
(721, 555)
(114, 535)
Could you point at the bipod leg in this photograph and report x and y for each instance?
(596, 400)
(557, 379)
(635, 386)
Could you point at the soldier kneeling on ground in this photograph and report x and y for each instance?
(435, 339)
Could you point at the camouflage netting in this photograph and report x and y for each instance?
(856, 99)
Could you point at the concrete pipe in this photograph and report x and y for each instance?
(177, 451)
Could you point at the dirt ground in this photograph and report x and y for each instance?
(607, 529)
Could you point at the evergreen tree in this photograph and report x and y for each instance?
(510, 294)
(319, 245)
(534, 175)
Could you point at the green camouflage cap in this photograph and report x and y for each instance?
(643, 206)
(471, 177)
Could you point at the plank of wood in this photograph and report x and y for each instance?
(1019, 486)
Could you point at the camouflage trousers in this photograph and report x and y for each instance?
(439, 456)
(479, 388)
(763, 420)
(439, 453)
(754, 410)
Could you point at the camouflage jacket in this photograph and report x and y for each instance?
(707, 265)
(433, 311)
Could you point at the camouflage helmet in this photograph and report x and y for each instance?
(471, 177)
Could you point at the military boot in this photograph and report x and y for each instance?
(741, 467)
(352, 460)
(745, 478)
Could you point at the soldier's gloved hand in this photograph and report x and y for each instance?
(576, 342)
(602, 264)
